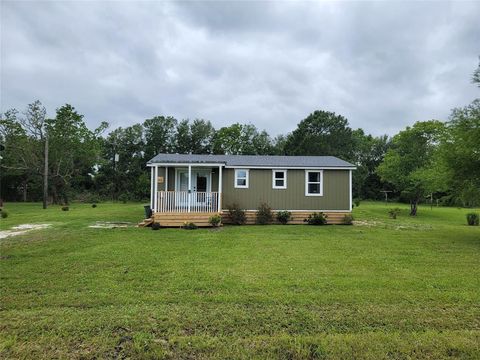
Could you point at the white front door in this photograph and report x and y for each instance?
(201, 183)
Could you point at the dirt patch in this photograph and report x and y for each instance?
(111, 224)
(367, 223)
(22, 229)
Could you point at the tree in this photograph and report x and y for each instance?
(202, 135)
(183, 138)
(460, 153)
(322, 133)
(73, 150)
(127, 175)
(409, 164)
(26, 144)
(238, 139)
(160, 134)
(476, 75)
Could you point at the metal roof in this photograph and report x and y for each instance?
(253, 160)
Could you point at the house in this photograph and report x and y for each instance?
(186, 187)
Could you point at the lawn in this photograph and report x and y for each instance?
(383, 289)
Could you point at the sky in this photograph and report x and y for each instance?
(382, 65)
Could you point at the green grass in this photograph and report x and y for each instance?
(387, 289)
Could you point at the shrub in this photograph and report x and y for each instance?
(65, 208)
(393, 213)
(472, 219)
(356, 202)
(316, 219)
(264, 214)
(237, 215)
(215, 220)
(123, 198)
(284, 217)
(347, 219)
(3, 214)
(189, 226)
(94, 205)
(156, 226)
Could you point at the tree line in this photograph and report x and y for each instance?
(431, 159)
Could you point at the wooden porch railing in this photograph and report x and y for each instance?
(183, 201)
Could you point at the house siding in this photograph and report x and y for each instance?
(336, 191)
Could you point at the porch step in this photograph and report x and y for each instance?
(145, 222)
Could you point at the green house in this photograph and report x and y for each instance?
(190, 188)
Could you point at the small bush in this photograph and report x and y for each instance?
(94, 205)
(347, 219)
(472, 219)
(3, 214)
(65, 208)
(356, 202)
(215, 220)
(237, 215)
(156, 226)
(392, 213)
(284, 217)
(264, 214)
(316, 219)
(189, 226)
(123, 198)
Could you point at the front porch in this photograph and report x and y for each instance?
(185, 192)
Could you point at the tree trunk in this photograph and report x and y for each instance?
(413, 207)
(25, 191)
(54, 195)
(45, 174)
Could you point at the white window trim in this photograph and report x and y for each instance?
(274, 186)
(236, 177)
(306, 182)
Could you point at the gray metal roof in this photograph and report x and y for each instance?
(253, 160)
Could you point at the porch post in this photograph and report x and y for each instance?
(219, 188)
(152, 177)
(155, 187)
(166, 178)
(189, 186)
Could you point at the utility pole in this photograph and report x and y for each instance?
(45, 173)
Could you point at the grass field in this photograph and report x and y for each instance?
(383, 289)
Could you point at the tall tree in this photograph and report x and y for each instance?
(183, 138)
(460, 153)
(238, 139)
(410, 162)
(73, 150)
(322, 133)
(25, 137)
(159, 135)
(122, 168)
(369, 152)
(202, 135)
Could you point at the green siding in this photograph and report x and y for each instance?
(336, 191)
(171, 178)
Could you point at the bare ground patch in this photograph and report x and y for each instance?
(111, 224)
(22, 229)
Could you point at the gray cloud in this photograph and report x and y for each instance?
(382, 65)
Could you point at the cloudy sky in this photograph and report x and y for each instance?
(382, 65)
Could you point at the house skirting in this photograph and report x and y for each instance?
(201, 218)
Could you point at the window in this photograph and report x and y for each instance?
(241, 178)
(279, 179)
(313, 183)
